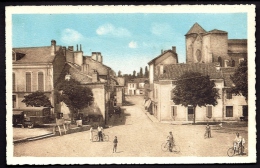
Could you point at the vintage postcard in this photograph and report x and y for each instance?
(130, 84)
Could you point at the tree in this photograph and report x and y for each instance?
(37, 99)
(134, 73)
(141, 72)
(146, 73)
(240, 80)
(75, 96)
(119, 73)
(194, 89)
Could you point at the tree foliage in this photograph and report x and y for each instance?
(37, 99)
(146, 72)
(119, 73)
(194, 89)
(141, 73)
(240, 80)
(75, 96)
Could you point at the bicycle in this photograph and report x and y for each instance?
(174, 148)
(105, 137)
(235, 150)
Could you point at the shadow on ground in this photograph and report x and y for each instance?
(116, 120)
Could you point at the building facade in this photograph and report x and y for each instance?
(136, 86)
(36, 69)
(205, 51)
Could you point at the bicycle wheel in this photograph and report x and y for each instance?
(95, 138)
(165, 146)
(105, 137)
(230, 152)
(176, 149)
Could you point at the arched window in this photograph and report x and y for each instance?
(198, 55)
(220, 61)
(40, 81)
(233, 64)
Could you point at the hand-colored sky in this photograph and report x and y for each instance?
(126, 41)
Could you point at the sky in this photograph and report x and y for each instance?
(127, 41)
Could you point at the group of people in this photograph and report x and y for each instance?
(100, 136)
(239, 141)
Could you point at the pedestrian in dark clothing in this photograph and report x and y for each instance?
(115, 144)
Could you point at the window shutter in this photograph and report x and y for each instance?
(40, 81)
(209, 111)
(28, 82)
(175, 111)
(13, 81)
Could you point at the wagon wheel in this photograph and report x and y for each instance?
(31, 125)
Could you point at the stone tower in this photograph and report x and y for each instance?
(194, 43)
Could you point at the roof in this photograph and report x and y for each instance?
(35, 54)
(161, 55)
(138, 80)
(237, 41)
(77, 75)
(197, 29)
(216, 31)
(90, 59)
(226, 75)
(174, 71)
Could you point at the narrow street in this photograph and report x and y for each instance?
(137, 136)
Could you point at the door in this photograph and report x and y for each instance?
(190, 113)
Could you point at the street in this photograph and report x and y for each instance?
(137, 136)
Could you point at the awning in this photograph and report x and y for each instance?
(17, 112)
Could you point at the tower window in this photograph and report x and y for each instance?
(198, 55)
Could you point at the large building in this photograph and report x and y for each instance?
(214, 46)
(205, 52)
(36, 69)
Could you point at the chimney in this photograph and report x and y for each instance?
(95, 76)
(64, 51)
(70, 48)
(53, 47)
(80, 48)
(77, 48)
(161, 51)
(174, 49)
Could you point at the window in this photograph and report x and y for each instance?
(174, 111)
(40, 81)
(240, 60)
(28, 82)
(14, 101)
(229, 111)
(198, 55)
(229, 94)
(233, 63)
(220, 61)
(209, 111)
(13, 81)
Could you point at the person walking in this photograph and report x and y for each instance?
(115, 144)
(100, 132)
(208, 131)
(91, 133)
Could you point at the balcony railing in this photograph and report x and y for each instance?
(22, 88)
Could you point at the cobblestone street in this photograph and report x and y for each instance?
(137, 136)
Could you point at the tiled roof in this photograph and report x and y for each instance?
(138, 80)
(35, 54)
(161, 55)
(88, 58)
(217, 31)
(197, 29)
(226, 75)
(77, 75)
(237, 41)
(174, 71)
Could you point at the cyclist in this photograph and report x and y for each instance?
(100, 133)
(170, 139)
(239, 141)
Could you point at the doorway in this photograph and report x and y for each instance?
(190, 113)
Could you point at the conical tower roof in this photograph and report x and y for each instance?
(197, 29)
